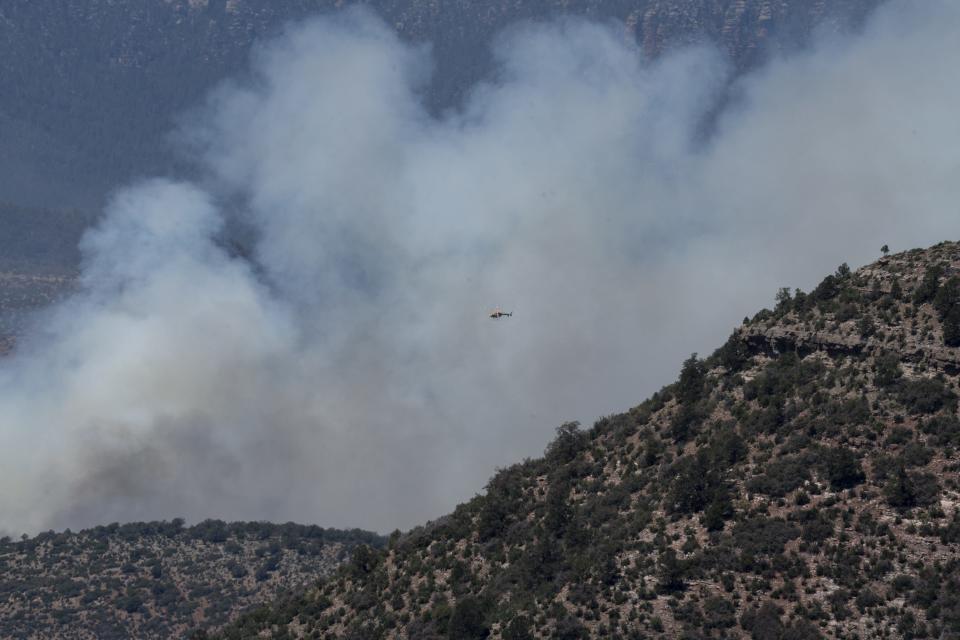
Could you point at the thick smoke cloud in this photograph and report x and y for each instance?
(346, 373)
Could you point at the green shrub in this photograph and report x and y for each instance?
(518, 629)
(905, 490)
(690, 386)
(816, 525)
(763, 622)
(467, 621)
(841, 467)
(929, 285)
(569, 628)
(697, 484)
(926, 396)
(567, 445)
(718, 613)
(763, 536)
(944, 429)
(671, 572)
(781, 477)
(887, 369)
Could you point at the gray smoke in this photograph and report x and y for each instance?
(348, 374)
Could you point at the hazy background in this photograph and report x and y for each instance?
(89, 89)
(344, 371)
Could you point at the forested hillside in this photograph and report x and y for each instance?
(801, 482)
(158, 579)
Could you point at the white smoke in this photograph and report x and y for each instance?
(348, 375)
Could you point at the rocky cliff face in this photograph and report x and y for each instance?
(801, 482)
(916, 334)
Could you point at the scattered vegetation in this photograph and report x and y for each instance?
(801, 482)
(158, 579)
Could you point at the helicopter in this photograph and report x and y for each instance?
(497, 314)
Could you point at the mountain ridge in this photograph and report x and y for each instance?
(801, 482)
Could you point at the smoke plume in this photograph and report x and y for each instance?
(346, 372)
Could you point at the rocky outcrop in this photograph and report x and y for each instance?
(782, 339)
(888, 316)
(776, 340)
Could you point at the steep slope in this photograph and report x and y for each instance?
(89, 89)
(157, 579)
(801, 482)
